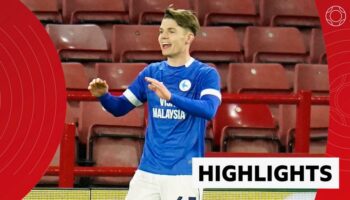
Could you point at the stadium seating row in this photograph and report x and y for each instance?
(218, 12)
(119, 141)
(213, 44)
(241, 77)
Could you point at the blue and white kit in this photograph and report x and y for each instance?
(176, 128)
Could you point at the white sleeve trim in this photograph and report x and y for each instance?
(132, 98)
(211, 92)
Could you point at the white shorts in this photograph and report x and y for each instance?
(148, 186)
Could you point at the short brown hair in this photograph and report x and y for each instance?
(184, 18)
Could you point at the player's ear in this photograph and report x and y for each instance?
(189, 37)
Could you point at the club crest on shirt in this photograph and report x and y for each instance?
(185, 85)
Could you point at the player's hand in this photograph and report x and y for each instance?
(158, 87)
(98, 87)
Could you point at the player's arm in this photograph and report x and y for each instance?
(117, 105)
(204, 107)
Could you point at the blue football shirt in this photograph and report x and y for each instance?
(173, 137)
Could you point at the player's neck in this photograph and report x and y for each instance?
(178, 60)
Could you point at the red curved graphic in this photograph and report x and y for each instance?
(32, 100)
(334, 15)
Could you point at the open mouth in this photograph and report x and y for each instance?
(166, 46)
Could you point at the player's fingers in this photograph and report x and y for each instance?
(100, 85)
(95, 84)
(92, 84)
(152, 80)
(152, 87)
(105, 83)
(155, 83)
(92, 88)
(97, 81)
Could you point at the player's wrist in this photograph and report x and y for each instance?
(169, 97)
(172, 98)
(104, 95)
(99, 94)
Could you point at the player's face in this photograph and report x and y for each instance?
(173, 39)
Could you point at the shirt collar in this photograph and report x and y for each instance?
(189, 62)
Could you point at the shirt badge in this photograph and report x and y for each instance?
(185, 85)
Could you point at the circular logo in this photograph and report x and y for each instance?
(185, 85)
(335, 16)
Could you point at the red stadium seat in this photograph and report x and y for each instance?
(318, 127)
(317, 47)
(92, 11)
(102, 117)
(117, 150)
(256, 78)
(47, 11)
(75, 79)
(152, 11)
(259, 78)
(119, 75)
(222, 48)
(227, 12)
(272, 44)
(239, 128)
(75, 76)
(79, 42)
(139, 43)
(209, 137)
(216, 44)
(299, 13)
(113, 142)
(223, 70)
(312, 77)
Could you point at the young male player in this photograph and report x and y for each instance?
(182, 93)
